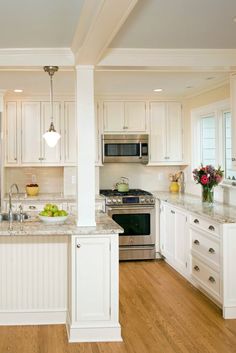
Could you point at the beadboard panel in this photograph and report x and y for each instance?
(33, 273)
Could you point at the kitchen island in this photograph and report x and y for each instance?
(51, 274)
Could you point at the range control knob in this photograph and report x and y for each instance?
(114, 200)
(108, 200)
(119, 200)
(141, 200)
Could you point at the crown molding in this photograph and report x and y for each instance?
(171, 59)
(208, 89)
(31, 57)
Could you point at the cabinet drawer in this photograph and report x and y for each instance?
(198, 222)
(205, 246)
(205, 276)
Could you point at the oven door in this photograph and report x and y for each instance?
(138, 224)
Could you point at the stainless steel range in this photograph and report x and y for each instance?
(134, 211)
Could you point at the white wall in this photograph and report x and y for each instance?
(140, 176)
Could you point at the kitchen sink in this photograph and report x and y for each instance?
(16, 216)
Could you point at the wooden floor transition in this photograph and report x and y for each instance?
(160, 312)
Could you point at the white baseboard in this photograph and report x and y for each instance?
(32, 318)
(229, 312)
(94, 334)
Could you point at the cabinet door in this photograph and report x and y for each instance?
(180, 257)
(168, 232)
(11, 133)
(30, 133)
(174, 132)
(70, 133)
(113, 117)
(135, 116)
(157, 132)
(51, 155)
(92, 273)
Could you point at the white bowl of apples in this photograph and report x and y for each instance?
(51, 214)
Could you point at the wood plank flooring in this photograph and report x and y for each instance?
(160, 312)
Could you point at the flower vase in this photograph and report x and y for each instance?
(207, 195)
(174, 187)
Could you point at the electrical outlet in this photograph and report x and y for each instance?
(73, 179)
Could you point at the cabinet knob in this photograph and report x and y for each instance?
(211, 251)
(172, 211)
(15, 159)
(211, 279)
(196, 268)
(78, 246)
(211, 228)
(196, 242)
(196, 221)
(233, 159)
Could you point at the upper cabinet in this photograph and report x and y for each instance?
(166, 133)
(11, 128)
(125, 117)
(27, 121)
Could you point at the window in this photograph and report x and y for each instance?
(229, 172)
(211, 137)
(208, 140)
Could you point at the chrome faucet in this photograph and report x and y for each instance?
(10, 212)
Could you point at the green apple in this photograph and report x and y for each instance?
(54, 208)
(47, 207)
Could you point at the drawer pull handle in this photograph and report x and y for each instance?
(211, 228)
(32, 207)
(196, 221)
(211, 279)
(172, 211)
(196, 242)
(78, 246)
(211, 251)
(196, 268)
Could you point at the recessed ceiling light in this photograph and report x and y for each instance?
(158, 90)
(189, 86)
(18, 90)
(210, 78)
(234, 19)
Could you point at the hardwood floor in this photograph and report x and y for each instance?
(160, 312)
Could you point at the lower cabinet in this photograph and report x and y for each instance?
(93, 290)
(203, 251)
(174, 238)
(92, 287)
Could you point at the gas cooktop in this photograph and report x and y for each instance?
(131, 192)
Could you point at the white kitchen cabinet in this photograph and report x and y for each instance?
(31, 149)
(70, 133)
(93, 286)
(165, 133)
(94, 292)
(173, 238)
(125, 117)
(35, 121)
(11, 128)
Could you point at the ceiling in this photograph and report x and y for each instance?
(179, 24)
(174, 84)
(38, 24)
(151, 24)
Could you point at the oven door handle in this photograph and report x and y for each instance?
(142, 208)
(140, 150)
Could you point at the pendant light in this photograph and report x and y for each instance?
(51, 136)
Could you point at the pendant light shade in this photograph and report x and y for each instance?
(51, 136)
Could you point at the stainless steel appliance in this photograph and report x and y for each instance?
(134, 211)
(125, 148)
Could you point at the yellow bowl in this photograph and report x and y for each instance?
(32, 190)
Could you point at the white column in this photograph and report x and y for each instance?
(85, 165)
(233, 116)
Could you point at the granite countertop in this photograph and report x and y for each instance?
(219, 212)
(46, 197)
(34, 226)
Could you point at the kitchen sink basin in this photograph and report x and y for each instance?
(16, 216)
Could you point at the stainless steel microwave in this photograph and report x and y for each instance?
(125, 148)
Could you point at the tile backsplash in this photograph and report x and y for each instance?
(49, 179)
